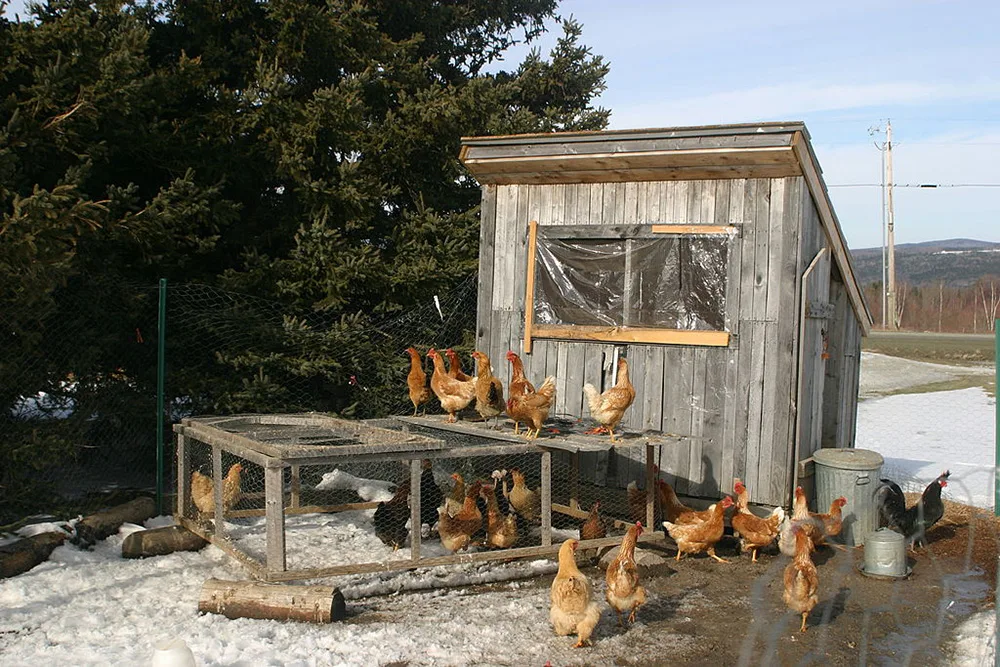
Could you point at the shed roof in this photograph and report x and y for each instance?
(755, 150)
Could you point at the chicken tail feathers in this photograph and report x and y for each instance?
(593, 397)
(891, 502)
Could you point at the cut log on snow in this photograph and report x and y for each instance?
(24, 554)
(96, 527)
(160, 542)
(254, 599)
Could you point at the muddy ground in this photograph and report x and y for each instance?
(701, 612)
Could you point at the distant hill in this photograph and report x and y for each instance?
(956, 262)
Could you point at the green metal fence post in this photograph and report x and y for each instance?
(161, 356)
(996, 428)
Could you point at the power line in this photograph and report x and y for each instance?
(924, 186)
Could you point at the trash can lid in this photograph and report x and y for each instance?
(848, 458)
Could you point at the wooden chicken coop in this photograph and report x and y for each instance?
(298, 515)
(712, 258)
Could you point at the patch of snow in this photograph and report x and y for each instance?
(922, 435)
(974, 641)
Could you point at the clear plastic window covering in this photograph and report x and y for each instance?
(675, 282)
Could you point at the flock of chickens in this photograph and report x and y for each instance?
(491, 514)
(487, 514)
(524, 405)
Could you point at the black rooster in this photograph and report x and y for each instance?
(391, 517)
(915, 521)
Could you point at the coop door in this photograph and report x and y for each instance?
(813, 325)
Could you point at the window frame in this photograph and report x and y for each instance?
(617, 334)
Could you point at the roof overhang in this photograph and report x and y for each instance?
(760, 150)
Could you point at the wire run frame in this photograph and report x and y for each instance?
(291, 441)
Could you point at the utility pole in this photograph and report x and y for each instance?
(873, 130)
(890, 233)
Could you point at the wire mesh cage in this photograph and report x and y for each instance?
(308, 496)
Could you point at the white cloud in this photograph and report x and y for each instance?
(793, 100)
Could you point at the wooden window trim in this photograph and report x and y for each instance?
(622, 334)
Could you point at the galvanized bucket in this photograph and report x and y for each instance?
(853, 474)
(885, 554)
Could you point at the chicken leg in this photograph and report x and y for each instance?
(804, 615)
(711, 552)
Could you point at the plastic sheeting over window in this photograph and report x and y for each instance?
(670, 282)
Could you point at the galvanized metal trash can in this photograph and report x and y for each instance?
(853, 474)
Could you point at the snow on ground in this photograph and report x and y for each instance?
(94, 608)
(922, 435)
(975, 640)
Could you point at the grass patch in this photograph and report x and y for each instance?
(956, 349)
(963, 382)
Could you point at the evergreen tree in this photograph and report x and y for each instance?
(300, 150)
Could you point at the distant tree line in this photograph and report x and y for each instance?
(942, 307)
(301, 151)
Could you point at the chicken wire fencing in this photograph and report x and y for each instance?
(78, 378)
(77, 399)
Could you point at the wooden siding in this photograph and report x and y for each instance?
(736, 401)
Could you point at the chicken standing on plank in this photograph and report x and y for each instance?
(489, 389)
(454, 395)
(416, 380)
(623, 592)
(572, 609)
(519, 384)
(801, 579)
(533, 408)
(203, 491)
(455, 366)
(753, 531)
(609, 408)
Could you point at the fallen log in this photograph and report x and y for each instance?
(26, 553)
(160, 542)
(254, 599)
(96, 527)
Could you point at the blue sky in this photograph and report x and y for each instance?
(842, 67)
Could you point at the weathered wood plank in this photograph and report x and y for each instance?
(789, 282)
(274, 519)
(183, 477)
(632, 335)
(454, 559)
(732, 213)
(697, 464)
(773, 395)
(416, 471)
(758, 320)
(487, 258)
(529, 295)
(607, 176)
